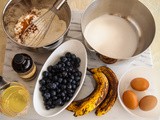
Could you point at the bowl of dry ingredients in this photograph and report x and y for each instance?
(118, 29)
(19, 14)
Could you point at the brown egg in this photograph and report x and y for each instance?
(148, 103)
(130, 99)
(139, 84)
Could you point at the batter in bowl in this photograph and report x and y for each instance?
(56, 29)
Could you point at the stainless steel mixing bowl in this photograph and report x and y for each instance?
(14, 9)
(133, 11)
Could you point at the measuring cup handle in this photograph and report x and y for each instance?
(2, 81)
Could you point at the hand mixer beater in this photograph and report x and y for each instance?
(44, 23)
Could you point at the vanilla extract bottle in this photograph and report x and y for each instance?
(24, 66)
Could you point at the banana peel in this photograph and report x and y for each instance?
(86, 105)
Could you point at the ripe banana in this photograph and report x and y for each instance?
(110, 99)
(76, 104)
(89, 103)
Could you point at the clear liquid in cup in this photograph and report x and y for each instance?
(15, 100)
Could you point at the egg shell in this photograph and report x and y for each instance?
(148, 103)
(139, 84)
(130, 99)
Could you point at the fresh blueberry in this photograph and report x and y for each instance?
(77, 83)
(63, 87)
(48, 81)
(59, 102)
(53, 93)
(60, 75)
(78, 60)
(59, 66)
(53, 71)
(63, 69)
(68, 54)
(74, 87)
(70, 91)
(63, 65)
(70, 95)
(74, 82)
(64, 81)
(62, 103)
(64, 74)
(42, 88)
(68, 63)
(67, 99)
(54, 86)
(69, 86)
(77, 79)
(53, 106)
(54, 98)
(49, 68)
(79, 73)
(70, 69)
(72, 77)
(73, 56)
(57, 83)
(49, 102)
(55, 67)
(72, 62)
(58, 90)
(45, 74)
(47, 95)
(42, 82)
(63, 59)
(69, 74)
(69, 80)
(60, 80)
(63, 94)
(55, 78)
(64, 98)
(76, 65)
(48, 107)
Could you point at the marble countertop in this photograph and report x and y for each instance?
(116, 113)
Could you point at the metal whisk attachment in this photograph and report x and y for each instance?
(38, 28)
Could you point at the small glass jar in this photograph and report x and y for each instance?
(14, 98)
(24, 66)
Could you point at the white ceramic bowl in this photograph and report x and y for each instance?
(154, 89)
(79, 50)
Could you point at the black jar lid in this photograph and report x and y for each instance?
(18, 59)
(22, 62)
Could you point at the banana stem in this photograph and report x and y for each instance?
(89, 70)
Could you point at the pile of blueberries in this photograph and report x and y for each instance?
(60, 81)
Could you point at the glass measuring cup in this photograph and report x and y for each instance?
(14, 98)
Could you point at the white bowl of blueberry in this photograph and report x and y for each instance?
(60, 79)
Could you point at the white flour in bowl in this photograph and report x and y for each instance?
(56, 29)
(112, 36)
